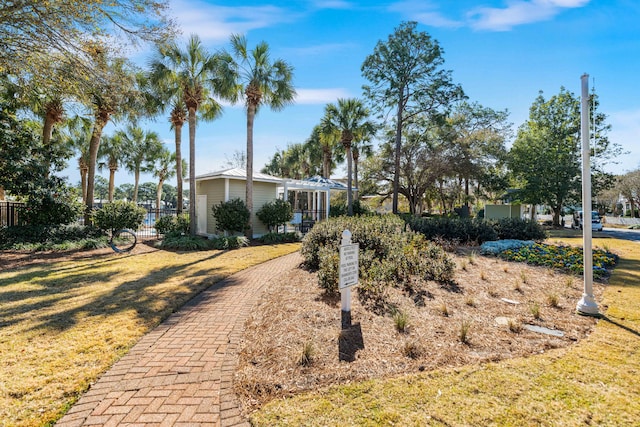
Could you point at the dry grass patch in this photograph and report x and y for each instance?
(66, 318)
(451, 325)
(594, 382)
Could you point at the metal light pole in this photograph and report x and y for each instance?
(587, 304)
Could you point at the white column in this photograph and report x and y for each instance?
(587, 304)
(327, 196)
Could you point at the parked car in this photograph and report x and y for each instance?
(596, 221)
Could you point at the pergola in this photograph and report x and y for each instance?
(320, 189)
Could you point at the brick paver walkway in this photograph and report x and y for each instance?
(180, 374)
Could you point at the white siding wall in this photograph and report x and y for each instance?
(214, 189)
(263, 192)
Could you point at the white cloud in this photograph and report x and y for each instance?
(518, 12)
(321, 49)
(332, 4)
(424, 12)
(320, 96)
(216, 23)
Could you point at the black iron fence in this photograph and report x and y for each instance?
(10, 213)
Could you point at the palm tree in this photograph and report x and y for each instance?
(188, 78)
(79, 134)
(141, 150)
(163, 169)
(259, 81)
(114, 93)
(112, 151)
(349, 118)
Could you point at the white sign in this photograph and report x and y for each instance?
(349, 265)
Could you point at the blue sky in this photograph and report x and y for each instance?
(501, 52)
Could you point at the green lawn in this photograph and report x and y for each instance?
(595, 382)
(62, 324)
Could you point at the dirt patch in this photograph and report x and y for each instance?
(294, 341)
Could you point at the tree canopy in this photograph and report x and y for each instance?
(545, 157)
(31, 30)
(406, 76)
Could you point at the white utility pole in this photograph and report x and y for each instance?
(587, 304)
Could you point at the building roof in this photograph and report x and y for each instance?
(239, 173)
(316, 182)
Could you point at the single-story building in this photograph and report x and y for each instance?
(224, 185)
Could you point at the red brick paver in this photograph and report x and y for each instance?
(181, 373)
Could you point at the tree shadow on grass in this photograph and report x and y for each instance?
(621, 326)
(145, 295)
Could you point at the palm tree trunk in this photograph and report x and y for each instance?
(158, 197)
(192, 170)
(347, 147)
(136, 182)
(251, 113)
(84, 170)
(178, 132)
(112, 178)
(356, 155)
(326, 162)
(101, 120)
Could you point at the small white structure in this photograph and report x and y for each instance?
(224, 185)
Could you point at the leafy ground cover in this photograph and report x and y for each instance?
(521, 378)
(65, 318)
(561, 257)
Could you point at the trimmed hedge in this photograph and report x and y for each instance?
(462, 230)
(476, 231)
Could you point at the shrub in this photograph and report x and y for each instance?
(340, 209)
(463, 230)
(389, 255)
(276, 213)
(119, 215)
(51, 207)
(519, 229)
(273, 238)
(230, 242)
(181, 242)
(231, 216)
(40, 237)
(185, 242)
(173, 224)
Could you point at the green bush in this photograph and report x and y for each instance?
(273, 238)
(276, 213)
(389, 255)
(187, 242)
(40, 237)
(340, 209)
(232, 216)
(178, 241)
(119, 215)
(51, 207)
(371, 232)
(518, 229)
(230, 242)
(463, 230)
(173, 224)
